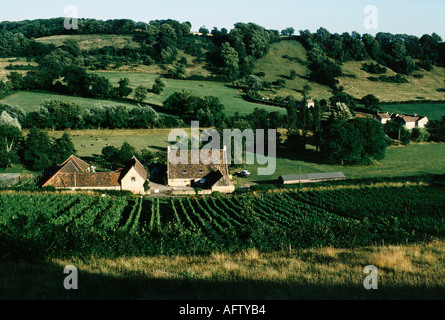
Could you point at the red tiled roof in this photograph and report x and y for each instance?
(73, 174)
(75, 163)
(84, 180)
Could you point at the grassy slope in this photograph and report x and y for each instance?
(31, 101)
(427, 88)
(430, 87)
(4, 62)
(92, 41)
(229, 97)
(404, 272)
(276, 67)
(91, 142)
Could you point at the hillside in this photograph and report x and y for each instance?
(92, 41)
(355, 81)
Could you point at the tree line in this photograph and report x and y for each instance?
(326, 52)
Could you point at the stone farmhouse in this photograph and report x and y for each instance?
(195, 173)
(409, 121)
(76, 174)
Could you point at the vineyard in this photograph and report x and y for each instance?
(49, 225)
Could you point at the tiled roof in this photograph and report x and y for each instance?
(76, 164)
(195, 171)
(73, 174)
(134, 163)
(85, 180)
(384, 115)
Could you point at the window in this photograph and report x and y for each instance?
(184, 172)
(133, 179)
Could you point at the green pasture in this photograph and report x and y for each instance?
(31, 101)
(230, 97)
(411, 160)
(434, 111)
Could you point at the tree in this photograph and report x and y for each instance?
(59, 115)
(143, 117)
(292, 115)
(204, 31)
(374, 138)
(398, 131)
(288, 31)
(140, 93)
(10, 136)
(342, 144)
(436, 129)
(62, 148)
(340, 111)
(158, 86)
(16, 80)
(126, 153)
(371, 103)
(230, 65)
(253, 82)
(123, 90)
(77, 80)
(108, 156)
(7, 119)
(180, 102)
(178, 71)
(36, 150)
(100, 87)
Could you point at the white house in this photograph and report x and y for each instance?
(411, 122)
(76, 174)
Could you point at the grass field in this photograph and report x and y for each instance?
(229, 97)
(4, 62)
(430, 87)
(412, 160)
(92, 41)
(91, 142)
(434, 111)
(404, 272)
(31, 101)
(276, 67)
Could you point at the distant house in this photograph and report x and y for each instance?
(383, 117)
(311, 177)
(197, 174)
(411, 121)
(310, 103)
(76, 174)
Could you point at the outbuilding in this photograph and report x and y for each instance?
(311, 177)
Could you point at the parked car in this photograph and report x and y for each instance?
(243, 174)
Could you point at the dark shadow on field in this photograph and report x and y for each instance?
(283, 76)
(44, 280)
(308, 155)
(163, 149)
